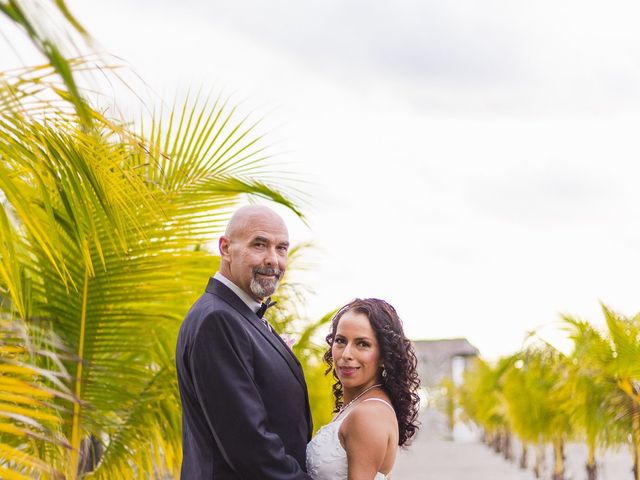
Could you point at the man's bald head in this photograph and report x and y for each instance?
(249, 215)
(254, 249)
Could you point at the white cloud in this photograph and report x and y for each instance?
(475, 163)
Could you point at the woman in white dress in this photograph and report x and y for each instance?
(376, 401)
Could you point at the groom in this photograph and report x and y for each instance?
(245, 407)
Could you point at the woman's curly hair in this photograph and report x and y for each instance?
(400, 379)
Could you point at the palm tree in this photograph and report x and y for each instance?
(447, 402)
(623, 368)
(108, 238)
(536, 402)
(28, 412)
(54, 31)
(103, 231)
(482, 400)
(514, 383)
(546, 397)
(319, 381)
(591, 390)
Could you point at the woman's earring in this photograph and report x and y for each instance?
(384, 372)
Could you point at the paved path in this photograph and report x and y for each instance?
(435, 457)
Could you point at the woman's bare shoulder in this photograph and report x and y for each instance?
(370, 416)
(369, 435)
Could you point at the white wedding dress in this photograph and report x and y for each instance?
(326, 459)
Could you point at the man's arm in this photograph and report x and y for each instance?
(220, 362)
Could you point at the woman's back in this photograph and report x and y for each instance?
(326, 455)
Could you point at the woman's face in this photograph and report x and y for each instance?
(356, 353)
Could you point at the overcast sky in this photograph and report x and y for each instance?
(473, 162)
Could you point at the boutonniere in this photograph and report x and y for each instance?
(290, 340)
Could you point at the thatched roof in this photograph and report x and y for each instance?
(444, 348)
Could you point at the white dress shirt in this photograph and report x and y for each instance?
(252, 303)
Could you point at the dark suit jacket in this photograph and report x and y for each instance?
(245, 407)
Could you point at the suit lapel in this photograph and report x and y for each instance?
(219, 289)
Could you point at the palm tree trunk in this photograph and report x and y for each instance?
(76, 432)
(591, 466)
(523, 456)
(539, 465)
(635, 436)
(506, 445)
(451, 412)
(558, 457)
(496, 440)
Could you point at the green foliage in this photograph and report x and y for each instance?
(591, 389)
(54, 43)
(34, 398)
(320, 391)
(446, 402)
(481, 396)
(310, 353)
(102, 228)
(543, 396)
(535, 399)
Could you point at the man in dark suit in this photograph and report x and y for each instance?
(245, 407)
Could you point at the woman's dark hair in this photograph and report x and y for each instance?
(400, 380)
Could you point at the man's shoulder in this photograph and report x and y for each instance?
(210, 305)
(210, 317)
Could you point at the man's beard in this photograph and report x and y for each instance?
(264, 287)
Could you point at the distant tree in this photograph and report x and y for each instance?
(591, 390)
(546, 397)
(483, 402)
(623, 368)
(537, 403)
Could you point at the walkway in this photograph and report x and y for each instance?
(433, 457)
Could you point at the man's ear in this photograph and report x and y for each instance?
(223, 246)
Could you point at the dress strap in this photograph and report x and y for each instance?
(380, 400)
(345, 413)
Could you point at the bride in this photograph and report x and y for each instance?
(376, 401)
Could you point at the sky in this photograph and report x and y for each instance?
(475, 163)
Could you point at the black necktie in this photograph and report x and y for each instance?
(264, 306)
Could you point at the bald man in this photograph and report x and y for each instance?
(245, 408)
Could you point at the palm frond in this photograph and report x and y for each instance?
(49, 39)
(103, 233)
(35, 398)
(208, 151)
